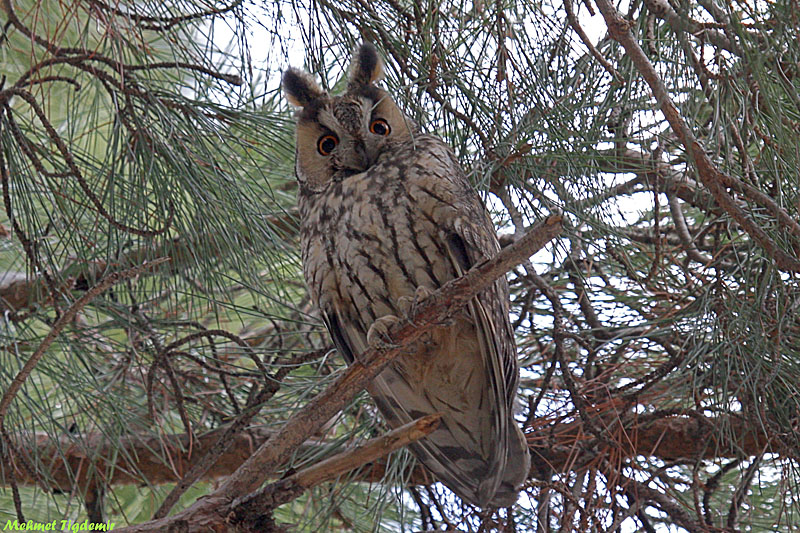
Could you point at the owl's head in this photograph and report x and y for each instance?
(338, 136)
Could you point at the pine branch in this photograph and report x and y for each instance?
(61, 323)
(18, 292)
(709, 174)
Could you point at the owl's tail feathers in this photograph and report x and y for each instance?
(518, 465)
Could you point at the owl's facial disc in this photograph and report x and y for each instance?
(340, 136)
(350, 135)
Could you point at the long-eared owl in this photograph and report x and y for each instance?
(387, 217)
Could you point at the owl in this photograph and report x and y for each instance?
(387, 217)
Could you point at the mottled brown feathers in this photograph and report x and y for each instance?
(388, 215)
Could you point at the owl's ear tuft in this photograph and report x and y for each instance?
(366, 67)
(300, 88)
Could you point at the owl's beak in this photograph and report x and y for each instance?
(361, 154)
(359, 159)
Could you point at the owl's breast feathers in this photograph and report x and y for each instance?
(369, 240)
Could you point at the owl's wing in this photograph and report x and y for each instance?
(469, 238)
(473, 241)
(467, 245)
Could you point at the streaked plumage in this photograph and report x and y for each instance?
(386, 211)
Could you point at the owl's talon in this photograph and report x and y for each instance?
(378, 333)
(409, 304)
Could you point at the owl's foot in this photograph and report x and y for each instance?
(409, 304)
(378, 333)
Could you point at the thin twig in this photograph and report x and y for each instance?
(683, 232)
(573, 22)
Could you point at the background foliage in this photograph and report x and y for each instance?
(658, 335)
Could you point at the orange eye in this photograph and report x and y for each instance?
(327, 143)
(380, 127)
